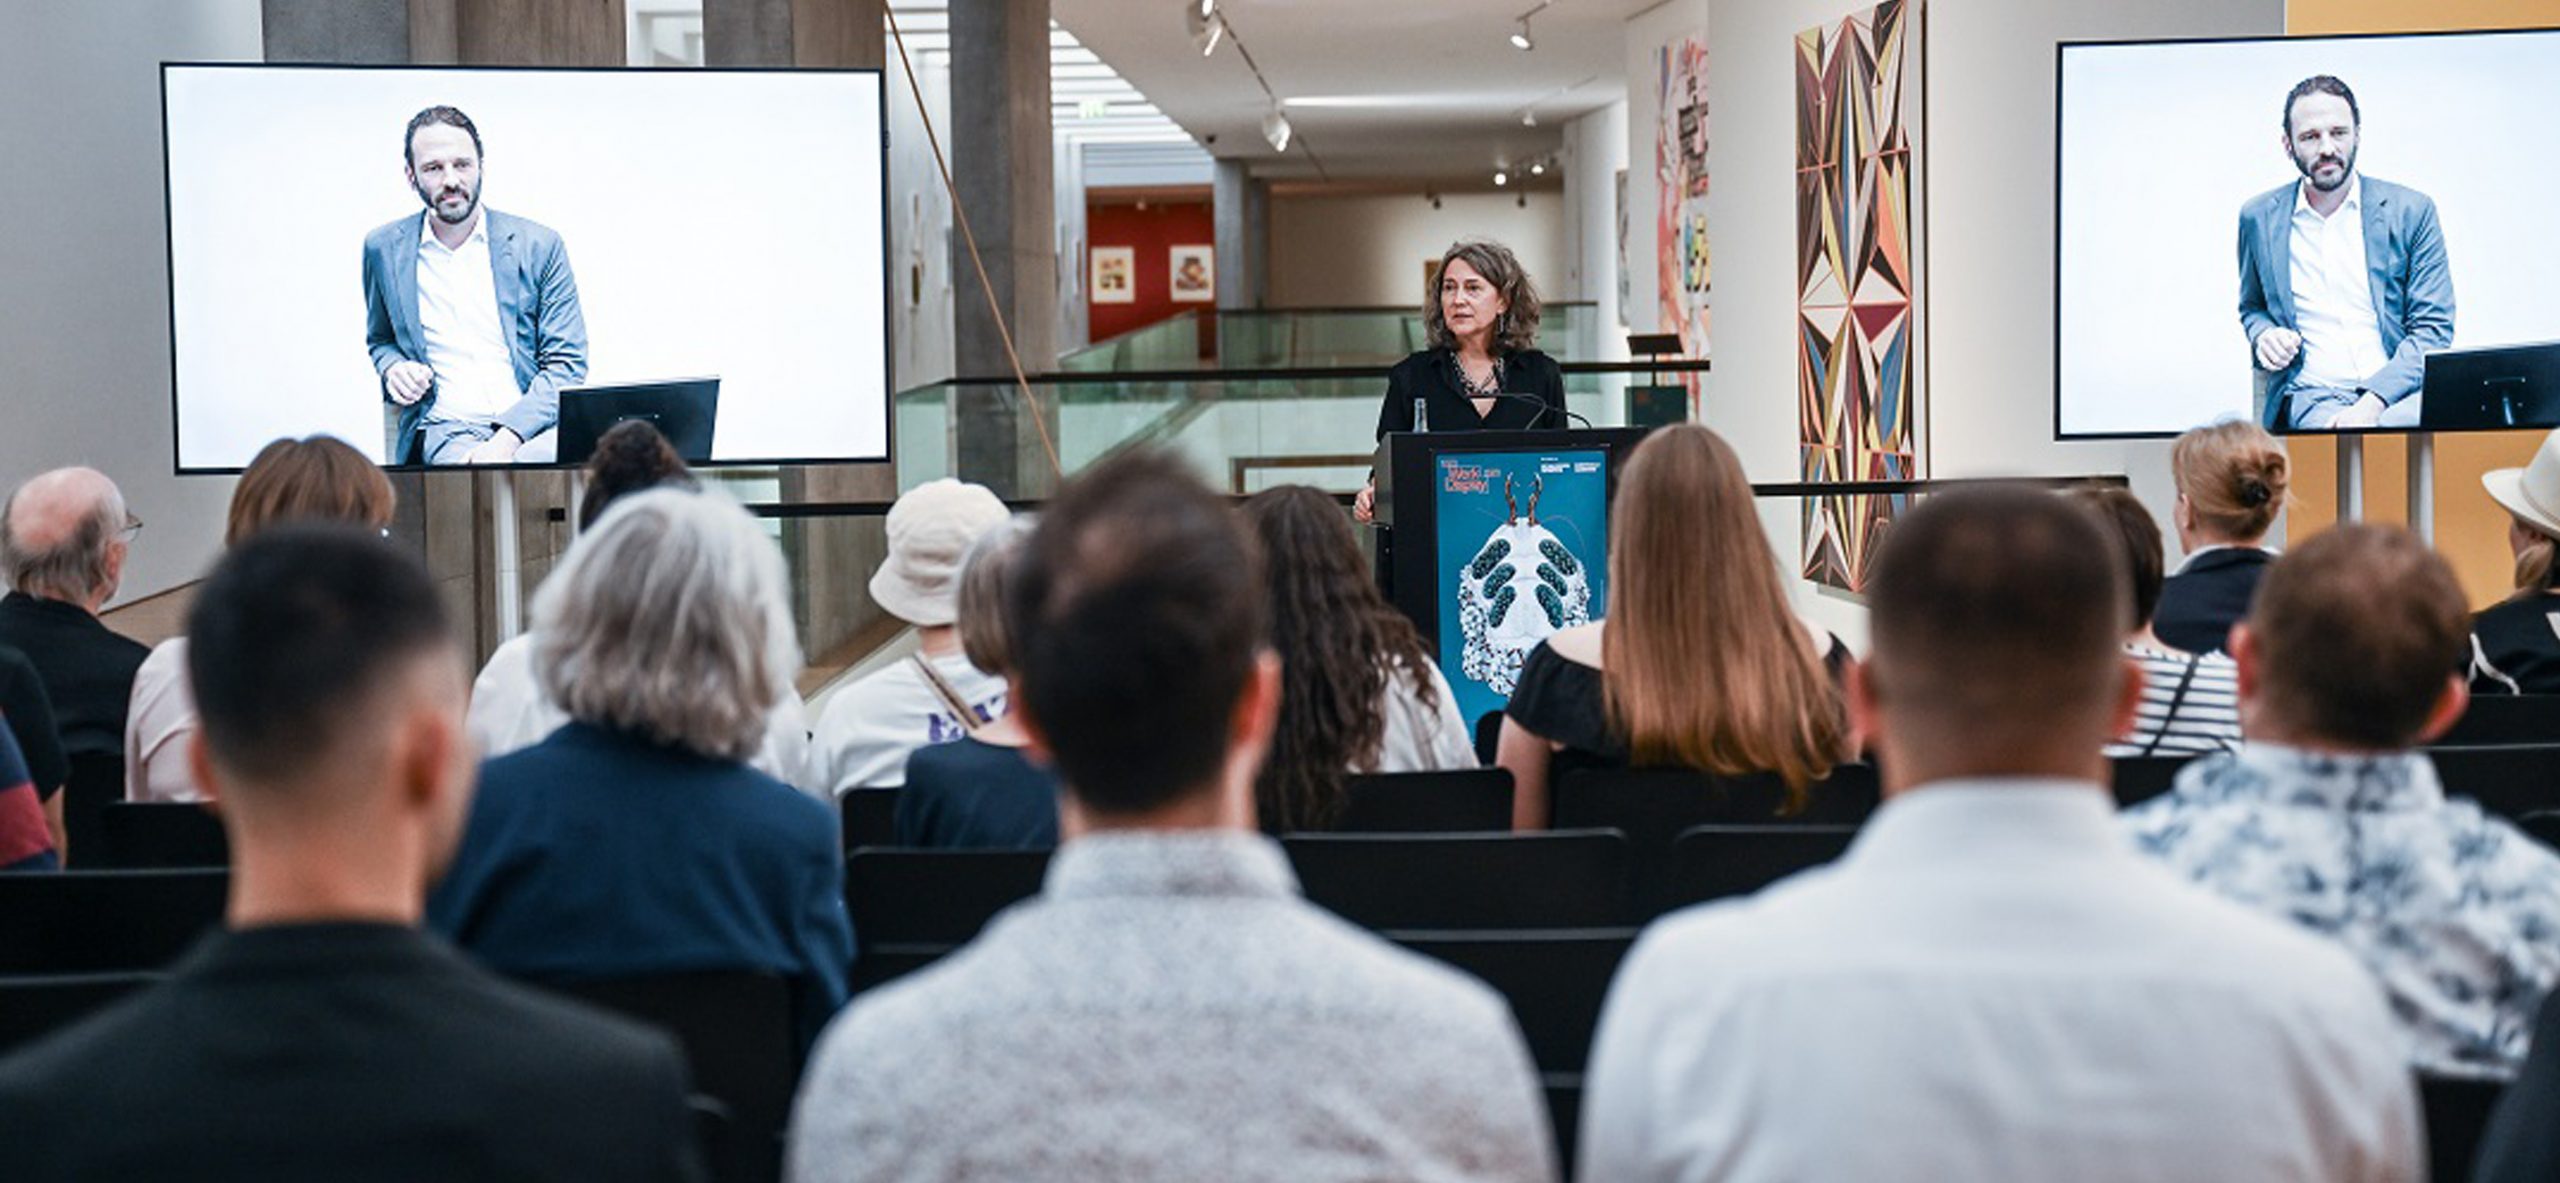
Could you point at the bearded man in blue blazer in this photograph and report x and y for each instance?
(2344, 287)
(471, 314)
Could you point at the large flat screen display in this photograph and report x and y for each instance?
(2285, 229)
(429, 262)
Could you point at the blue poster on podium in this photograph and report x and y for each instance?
(1524, 546)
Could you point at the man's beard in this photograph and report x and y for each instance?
(2310, 172)
(470, 205)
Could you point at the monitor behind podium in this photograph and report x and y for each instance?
(683, 409)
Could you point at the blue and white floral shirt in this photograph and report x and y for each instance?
(2456, 912)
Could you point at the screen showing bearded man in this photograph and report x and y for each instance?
(471, 314)
(2344, 286)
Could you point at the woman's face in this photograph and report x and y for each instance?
(1468, 304)
(2520, 536)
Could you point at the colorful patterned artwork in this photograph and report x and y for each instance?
(1858, 285)
(1680, 167)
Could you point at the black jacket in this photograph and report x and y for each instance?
(2199, 605)
(87, 669)
(1432, 376)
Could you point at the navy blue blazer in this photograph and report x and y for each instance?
(2199, 604)
(2412, 285)
(600, 855)
(537, 305)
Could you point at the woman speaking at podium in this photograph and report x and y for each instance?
(1480, 373)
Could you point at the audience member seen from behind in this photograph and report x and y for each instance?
(2231, 485)
(2515, 644)
(26, 841)
(635, 840)
(1700, 663)
(1168, 1007)
(26, 714)
(317, 479)
(323, 1036)
(2021, 994)
(982, 791)
(2330, 816)
(935, 696)
(1358, 689)
(509, 711)
(2190, 702)
(63, 539)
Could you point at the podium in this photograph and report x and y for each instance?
(1491, 541)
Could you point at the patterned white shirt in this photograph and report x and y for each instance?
(1170, 1009)
(2456, 912)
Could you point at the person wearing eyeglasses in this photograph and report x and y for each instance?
(63, 539)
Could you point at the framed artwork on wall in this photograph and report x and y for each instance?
(1115, 275)
(1194, 270)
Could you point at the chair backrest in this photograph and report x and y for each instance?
(1654, 806)
(1555, 981)
(96, 779)
(144, 834)
(1558, 879)
(1459, 799)
(1716, 862)
(935, 897)
(737, 1034)
(2456, 1111)
(870, 818)
(2136, 779)
(1564, 1115)
(2543, 825)
(105, 921)
(2509, 781)
(34, 1006)
(1488, 736)
(2507, 719)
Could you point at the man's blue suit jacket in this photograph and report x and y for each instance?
(537, 305)
(2404, 255)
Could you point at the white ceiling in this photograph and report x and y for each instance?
(1417, 90)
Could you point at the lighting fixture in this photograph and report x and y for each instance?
(1208, 8)
(1501, 177)
(1520, 40)
(1275, 128)
(1537, 168)
(1207, 28)
(1528, 119)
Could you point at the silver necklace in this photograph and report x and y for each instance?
(1491, 387)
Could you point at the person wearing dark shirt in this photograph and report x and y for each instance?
(2231, 481)
(982, 790)
(63, 538)
(26, 842)
(29, 712)
(322, 1036)
(2515, 643)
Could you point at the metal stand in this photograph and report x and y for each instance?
(2350, 478)
(2422, 485)
(577, 497)
(508, 556)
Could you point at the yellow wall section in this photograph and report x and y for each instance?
(2470, 529)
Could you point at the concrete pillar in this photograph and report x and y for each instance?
(830, 33)
(1240, 218)
(999, 145)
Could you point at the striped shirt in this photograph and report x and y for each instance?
(2190, 704)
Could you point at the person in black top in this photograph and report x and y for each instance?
(322, 1036)
(982, 791)
(2515, 644)
(1481, 372)
(2231, 480)
(62, 541)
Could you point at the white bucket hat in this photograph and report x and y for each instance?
(2533, 491)
(930, 529)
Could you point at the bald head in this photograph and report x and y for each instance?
(60, 537)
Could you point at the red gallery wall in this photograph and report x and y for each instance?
(1152, 232)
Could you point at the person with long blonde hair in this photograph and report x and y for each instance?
(1700, 662)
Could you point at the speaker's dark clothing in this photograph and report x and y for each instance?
(1432, 376)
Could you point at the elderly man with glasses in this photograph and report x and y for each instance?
(63, 538)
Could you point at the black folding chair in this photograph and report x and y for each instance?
(870, 818)
(105, 921)
(2510, 781)
(1488, 736)
(1654, 806)
(95, 781)
(1717, 862)
(1554, 979)
(1427, 802)
(139, 835)
(737, 1032)
(1564, 1115)
(1557, 879)
(2137, 779)
(935, 897)
(37, 1005)
(2506, 719)
(2543, 825)
(2456, 1110)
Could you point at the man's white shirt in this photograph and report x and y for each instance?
(458, 314)
(2333, 293)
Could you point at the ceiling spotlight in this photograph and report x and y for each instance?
(1537, 168)
(1520, 40)
(1206, 27)
(1208, 7)
(1275, 128)
(1501, 177)
(1528, 119)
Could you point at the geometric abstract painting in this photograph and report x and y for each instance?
(1857, 281)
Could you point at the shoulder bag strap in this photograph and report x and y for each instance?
(951, 700)
(2176, 698)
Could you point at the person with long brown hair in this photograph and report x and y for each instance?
(316, 479)
(1700, 662)
(1358, 689)
(2231, 480)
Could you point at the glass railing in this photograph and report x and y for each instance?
(1279, 339)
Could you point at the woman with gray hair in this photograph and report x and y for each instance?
(635, 840)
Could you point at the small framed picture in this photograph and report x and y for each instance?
(1195, 274)
(1115, 279)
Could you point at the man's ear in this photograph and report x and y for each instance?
(200, 767)
(1257, 712)
(2454, 699)
(2128, 705)
(2248, 656)
(1866, 711)
(1036, 738)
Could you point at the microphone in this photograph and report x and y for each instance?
(1543, 405)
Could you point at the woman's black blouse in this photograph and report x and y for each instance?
(1432, 376)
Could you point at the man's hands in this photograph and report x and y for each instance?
(499, 448)
(407, 381)
(2366, 412)
(2277, 348)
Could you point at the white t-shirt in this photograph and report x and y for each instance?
(509, 712)
(1420, 740)
(161, 716)
(869, 727)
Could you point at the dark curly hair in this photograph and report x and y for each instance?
(630, 457)
(1339, 641)
(1517, 328)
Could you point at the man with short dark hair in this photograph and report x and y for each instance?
(1992, 984)
(471, 314)
(323, 1036)
(2354, 654)
(1168, 1008)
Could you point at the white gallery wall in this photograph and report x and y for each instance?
(1368, 249)
(84, 315)
(1595, 153)
(1989, 167)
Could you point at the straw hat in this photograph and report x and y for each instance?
(2533, 491)
(930, 529)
